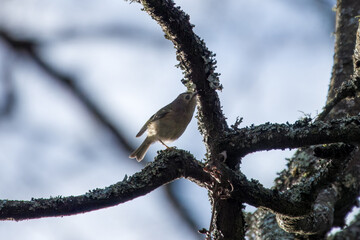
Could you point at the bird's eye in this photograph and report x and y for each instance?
(187, 97)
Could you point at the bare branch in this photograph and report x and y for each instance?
(300, 134)
(179, 207)
(198, 64)
(294, 202)
(8, 91)
(303, 164)
(347, 89)
(30, 49)
(168, 166)
(346, 25)
(128, 32)
(318, 222)
(263, 225)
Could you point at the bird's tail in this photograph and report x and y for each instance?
(140, 152)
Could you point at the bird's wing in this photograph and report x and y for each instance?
(159, 114)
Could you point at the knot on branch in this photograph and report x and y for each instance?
(221, 187)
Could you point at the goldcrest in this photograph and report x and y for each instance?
(167, 124)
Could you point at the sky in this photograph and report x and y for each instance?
(275, 60)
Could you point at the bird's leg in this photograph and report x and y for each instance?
(164, 144)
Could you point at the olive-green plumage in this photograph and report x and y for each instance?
(167, 124)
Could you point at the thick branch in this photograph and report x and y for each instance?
(318, 222)
(263, 225)
(169, 165)
(347, 88)
(294, 202)
(197, 63)
(29, 48)
(300, 134)
(346, 25)
(303, 164)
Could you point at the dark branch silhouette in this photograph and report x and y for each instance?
(315, 192)
(169, 165)
(30, 48)
(300, 134)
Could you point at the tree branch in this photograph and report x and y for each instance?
(303, 164)
(347, 89)
(30, 49)
(168, 166)
(198, 64)
(300, 134)
(179, 206)
(294, 202)
(9, 99)
(318, 222)
(346, 11)
(263, 225)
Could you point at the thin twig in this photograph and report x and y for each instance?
(30, 48)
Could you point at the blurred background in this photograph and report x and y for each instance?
(78, 79)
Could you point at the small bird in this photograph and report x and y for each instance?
(167, 124)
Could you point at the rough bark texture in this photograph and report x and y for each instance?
(317, 190)
(346, 25)
(303, 163)
(169, 165)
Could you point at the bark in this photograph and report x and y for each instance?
(314, 194)
(169, 166)
(342, 101)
